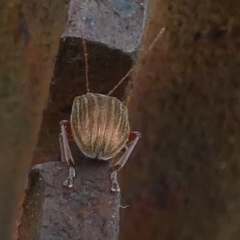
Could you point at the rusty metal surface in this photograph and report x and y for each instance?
(29, 38)
(117, 24)
(88, 211)
(188, 111)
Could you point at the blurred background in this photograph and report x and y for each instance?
(182, 181)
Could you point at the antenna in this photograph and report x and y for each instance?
(138, 61)
(86, 60)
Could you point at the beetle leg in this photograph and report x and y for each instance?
(66, 154)
(114, 185)
(133, 139)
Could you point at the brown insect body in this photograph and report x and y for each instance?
(100, 125)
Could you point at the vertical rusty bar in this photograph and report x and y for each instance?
(28, 43)
(113, 32)
(186, 104)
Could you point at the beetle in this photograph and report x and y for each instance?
(100, 127)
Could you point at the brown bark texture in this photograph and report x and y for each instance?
(183, 180)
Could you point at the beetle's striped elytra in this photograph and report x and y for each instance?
(100, 125)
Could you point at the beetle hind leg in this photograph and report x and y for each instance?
(66, 154)
(69, 180)
(127, 150)
(114, 185)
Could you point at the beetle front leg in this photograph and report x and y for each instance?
(130, 145)
(66, 154)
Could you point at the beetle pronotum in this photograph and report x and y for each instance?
(100, 127)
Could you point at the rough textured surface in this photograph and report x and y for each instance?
(186, 104)
(117, 24)
(88, 211)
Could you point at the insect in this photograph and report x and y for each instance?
(100, 127)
